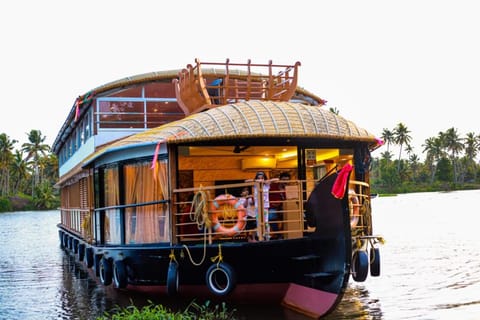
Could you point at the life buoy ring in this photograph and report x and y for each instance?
(226, 203)
(354, 206)
(221, 278)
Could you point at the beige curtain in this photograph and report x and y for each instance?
(149, 223)
(112, 198)
(131, 177)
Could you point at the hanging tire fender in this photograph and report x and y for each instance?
(359, 265)
(375, 262)
(221, 279)
(81, 251)
(120, 278)
(105, 271)
(173, 278)
(97, 258)
(60, 236)
(89, 257)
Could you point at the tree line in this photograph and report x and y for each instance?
(27, 174)
(450, 162)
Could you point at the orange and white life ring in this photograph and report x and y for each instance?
(354, 206)
(228, 205)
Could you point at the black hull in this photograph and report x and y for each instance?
(316, 266)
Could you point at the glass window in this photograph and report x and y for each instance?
(161, 112)
(132, 92)
(112, 198)
(160, 90)
(149, 223)
(121, 114)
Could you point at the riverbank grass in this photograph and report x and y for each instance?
(193, 311)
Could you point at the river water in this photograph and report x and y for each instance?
(430, 267)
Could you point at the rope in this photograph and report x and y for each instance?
(172, 256)
(199, 210)
(200, 215)
(219, 257)
(204, 250)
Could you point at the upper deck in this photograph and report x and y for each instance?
(135, 104)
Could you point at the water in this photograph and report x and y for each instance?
(430, 267)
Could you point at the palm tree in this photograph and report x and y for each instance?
(34, 148)
(401, 134)
(472, 145)
(19, 169)
(6, 147)
(454, 144)
(433, 148)
(414, 162)
(388, 137)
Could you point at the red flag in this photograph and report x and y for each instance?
(340, 184)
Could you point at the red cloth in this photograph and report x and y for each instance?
(340, 184)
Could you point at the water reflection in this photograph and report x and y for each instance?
(430, 268)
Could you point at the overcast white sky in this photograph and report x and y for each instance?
(378, 62)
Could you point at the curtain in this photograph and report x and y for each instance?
(112, 198)
(149, 223)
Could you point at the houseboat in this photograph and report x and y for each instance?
(224, 178)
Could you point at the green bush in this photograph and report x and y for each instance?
(5, 205)
(193, 311)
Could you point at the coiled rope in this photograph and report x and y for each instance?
(199, 214)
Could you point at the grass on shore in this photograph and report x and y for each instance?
(193, 311)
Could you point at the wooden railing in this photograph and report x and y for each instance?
(189, 226)
(198, 89)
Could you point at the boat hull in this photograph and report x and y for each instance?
(288, 272)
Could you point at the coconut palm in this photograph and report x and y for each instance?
(19, 168)
(434, 150)
(6, 147)
(388, 137)
(472, 145)
(401, 137)
(454, 144)
(34, 149)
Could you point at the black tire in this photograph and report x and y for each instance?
(65, 241)
(221, 279)
(81, 251)
(173, 279)
(89, 257)
(60, 236)
(75, 245)
(120, 280)
(375, 262)
(105, 271)
(359, 265)
(96, 264)
(70, 243)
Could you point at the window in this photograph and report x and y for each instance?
(146, 223)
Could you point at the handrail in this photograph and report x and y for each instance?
(196, 91)
(123, 206)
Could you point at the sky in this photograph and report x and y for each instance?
(380, 63)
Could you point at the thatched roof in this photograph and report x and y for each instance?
(251, 119)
